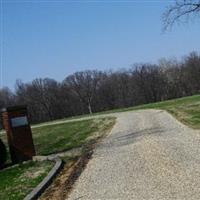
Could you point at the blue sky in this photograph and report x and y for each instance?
(56, 38)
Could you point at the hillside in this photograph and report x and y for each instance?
(186, 109)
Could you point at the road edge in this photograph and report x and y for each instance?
(39, 189)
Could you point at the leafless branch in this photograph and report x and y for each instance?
(182, 9)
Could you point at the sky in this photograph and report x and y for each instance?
(56, 38)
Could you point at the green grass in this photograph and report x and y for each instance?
(186, 109)
(16, 182)
(61, 137)
(57, 138)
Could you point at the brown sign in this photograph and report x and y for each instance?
(16, 124)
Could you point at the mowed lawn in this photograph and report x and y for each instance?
(17, 181)
(56, 138)
(186, 109)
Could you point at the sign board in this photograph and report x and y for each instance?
(19, 121)
(19, 135)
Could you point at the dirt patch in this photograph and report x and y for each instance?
(63, 184)
(33, 174)
(55, 191)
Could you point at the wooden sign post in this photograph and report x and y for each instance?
(19, 135)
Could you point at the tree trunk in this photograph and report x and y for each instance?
(89, 108)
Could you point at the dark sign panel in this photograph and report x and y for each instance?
(19, 121)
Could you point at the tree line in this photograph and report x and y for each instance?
(94, 90)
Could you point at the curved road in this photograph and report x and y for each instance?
(148, 155)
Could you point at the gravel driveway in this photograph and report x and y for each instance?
(148, 155)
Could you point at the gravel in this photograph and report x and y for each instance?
(148, 155)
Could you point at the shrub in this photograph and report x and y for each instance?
(3, 154)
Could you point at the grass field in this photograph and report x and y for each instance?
(61, 137)
(56, 138)
(16, 182)
(186, 109)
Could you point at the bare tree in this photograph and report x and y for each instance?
(180, 11)
(41, 96)
(7, 98)
(94, 91)
(85, 85)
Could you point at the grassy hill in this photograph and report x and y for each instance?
(186, 109)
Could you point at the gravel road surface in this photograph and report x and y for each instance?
(148, 155)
